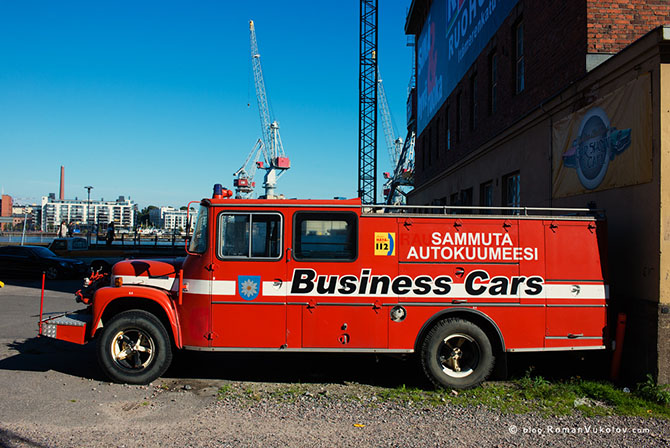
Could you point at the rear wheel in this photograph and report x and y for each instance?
(456, 354)
(134, 348)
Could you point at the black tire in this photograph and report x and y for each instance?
(52, 273)
(134, 348)
(456, 354)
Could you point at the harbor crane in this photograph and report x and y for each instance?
(403, 174)
(401, 153)
(393, 141)
(276, 162)
(244, 177)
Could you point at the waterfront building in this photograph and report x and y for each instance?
(82, 212)
(170, 218)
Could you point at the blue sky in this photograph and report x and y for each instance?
(155, 100)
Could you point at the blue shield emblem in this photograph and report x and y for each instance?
(248, 286)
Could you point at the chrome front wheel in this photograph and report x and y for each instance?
(134, 348)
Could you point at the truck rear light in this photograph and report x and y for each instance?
(118, 282)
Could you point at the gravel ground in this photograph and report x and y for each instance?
(192, 413)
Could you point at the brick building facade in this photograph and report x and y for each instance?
(492, 136)
(562, 42)
(6, 204)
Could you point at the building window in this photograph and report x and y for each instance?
(512, 190)
(466, 196)
(437, 138)
(520, 63)
(430, 145)
(486, 196)
(493, 87)
(458, 116)
(473, 102)
(423, 150)
(448, 133)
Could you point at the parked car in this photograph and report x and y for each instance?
(75, 243)
(33, 260)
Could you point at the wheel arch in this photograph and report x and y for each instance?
(152, 301)
(475, 316)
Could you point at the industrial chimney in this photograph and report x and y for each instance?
(62, 183)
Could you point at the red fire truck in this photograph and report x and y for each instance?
(457, 290)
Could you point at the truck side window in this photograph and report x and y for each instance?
(250, 235)
(199, 241)
(325, 236)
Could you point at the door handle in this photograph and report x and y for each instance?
(211, 267)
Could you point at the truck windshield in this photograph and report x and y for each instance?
(199, 241)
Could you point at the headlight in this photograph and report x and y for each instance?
(65, 264)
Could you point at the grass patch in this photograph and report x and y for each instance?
(537, 395)
(654, 392)
(528, 394)
(403, 394)
(224, 391)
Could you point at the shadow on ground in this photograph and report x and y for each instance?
(44, 354)
(557, 366)
(299, 368)
(11, 439)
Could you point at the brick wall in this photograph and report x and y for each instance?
(6, 205)
(554, 52)
(614, 24)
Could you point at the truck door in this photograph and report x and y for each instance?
(247, 275)
(331, 283)
(195, 306)
(577, 291)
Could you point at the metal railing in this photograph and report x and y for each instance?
(481, 211)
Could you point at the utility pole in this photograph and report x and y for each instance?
(88, 213)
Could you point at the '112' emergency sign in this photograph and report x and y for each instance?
(384, 243)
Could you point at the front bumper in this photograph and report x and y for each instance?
(70, 327)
